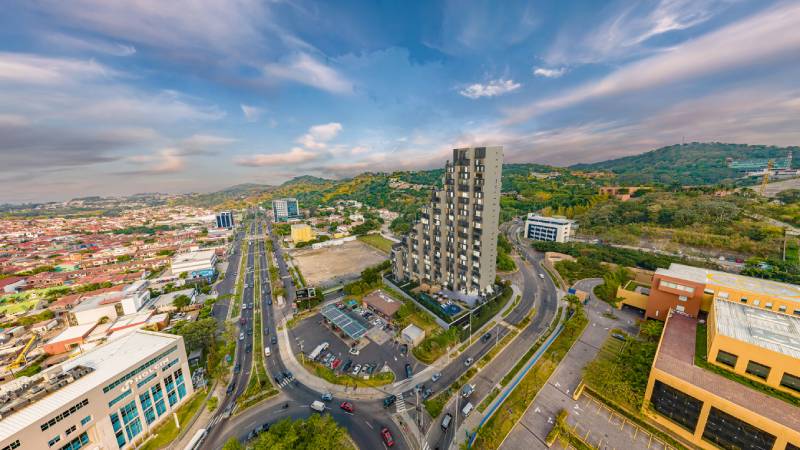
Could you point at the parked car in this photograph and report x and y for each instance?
(387, 437)
(356, 369)
(354, 351)
(389, 401)
(409, 371)
(467, 409)
(436, 377)
(426, 393)
(336, 363)
(347, 406)
(467, 390)
(347, 365)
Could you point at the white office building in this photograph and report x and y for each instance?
(542, 228)
(107, 398)
(195, 264)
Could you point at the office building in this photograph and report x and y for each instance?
(713, 411)
(555, 229)
(109, 397)
(302, 232)
(197, 264)
(284, 209)
(225, 219)
(690, 290)
(454, 243)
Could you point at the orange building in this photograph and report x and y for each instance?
(713, 411)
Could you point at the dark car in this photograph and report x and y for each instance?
(347, 365)
(264, 427)
(486, 336)
(237, 368)
(269, 302)
(248, 348)
(389, 401)
(288, 375)
(274, 340)
(266, 330)
(409, 371)
(278, 378)
(231, 387)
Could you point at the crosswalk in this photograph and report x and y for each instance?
(401, 404)
(284, 382)
(425, 445)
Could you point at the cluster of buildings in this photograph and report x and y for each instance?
(454, 243)
(286, 209)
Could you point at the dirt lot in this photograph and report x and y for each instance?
(331, 265)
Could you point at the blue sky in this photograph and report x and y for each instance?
(105, 98)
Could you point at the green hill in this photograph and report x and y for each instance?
(687, 164)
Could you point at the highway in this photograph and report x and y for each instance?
(363, 424)
(536, 292)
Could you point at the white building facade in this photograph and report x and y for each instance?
(107, 398)
(555, 229)
(195, 264)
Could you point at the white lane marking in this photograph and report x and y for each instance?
(369, 425)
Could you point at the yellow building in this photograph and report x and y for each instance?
(712, 411)
(302, 232)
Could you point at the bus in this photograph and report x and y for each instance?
(194, 444)
(320, 348)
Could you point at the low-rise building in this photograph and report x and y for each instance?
(109, 397)
(555, 229)
(713, 411)
(690, 290)
(412, 335)
(302, 232)
(68, 339)
(197, 264)
(382, 303)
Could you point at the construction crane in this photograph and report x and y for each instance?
(763, 189)
(20, 361)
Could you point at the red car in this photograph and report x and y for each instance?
(347, 406)
(387, 437)
(336, 363)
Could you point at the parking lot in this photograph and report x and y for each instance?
(377, 347)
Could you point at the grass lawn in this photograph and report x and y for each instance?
(15, 307)
(377, 241)
(377, 379)
(166, 432)
(434, 346)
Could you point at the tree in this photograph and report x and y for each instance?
(181, 301)
(316, 432)
(233, 444)
(197, 335)
(789, 196)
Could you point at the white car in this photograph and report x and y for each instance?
(541, 275)
(469, 362)
(241, 336)
(436, 377)
(356, 369)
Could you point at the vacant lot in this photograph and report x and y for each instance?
(332, 265)
(377, 241)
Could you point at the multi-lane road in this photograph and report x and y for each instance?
(363, 424)
(369, 417)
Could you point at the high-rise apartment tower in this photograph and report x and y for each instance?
(454, 243)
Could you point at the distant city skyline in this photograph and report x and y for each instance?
(107, 98)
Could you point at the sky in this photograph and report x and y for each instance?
(105, 97)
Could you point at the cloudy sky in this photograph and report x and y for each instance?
(101, 98)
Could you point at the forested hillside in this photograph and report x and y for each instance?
(687, 164)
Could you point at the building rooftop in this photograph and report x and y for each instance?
(761, 327)
(103, 364)
(553, 220)
(775, 289)
(72, 333)
(382, 302)
(676, 357)
(198, 256)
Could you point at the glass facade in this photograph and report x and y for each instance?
(130, 418)
(158, 398)
(730, 433)
(77, 443)
(117, 425)
(180, 384)
(679, 407)
(729, 359)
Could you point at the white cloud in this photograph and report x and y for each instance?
(549, 73)
(90, 45)
(304, 69)
(766, 36)
(41, 70)
(628, 29)
(491, 89)
(164, 161)
(251, 113)
(318, 135)
(295, 156)
(358, 150)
